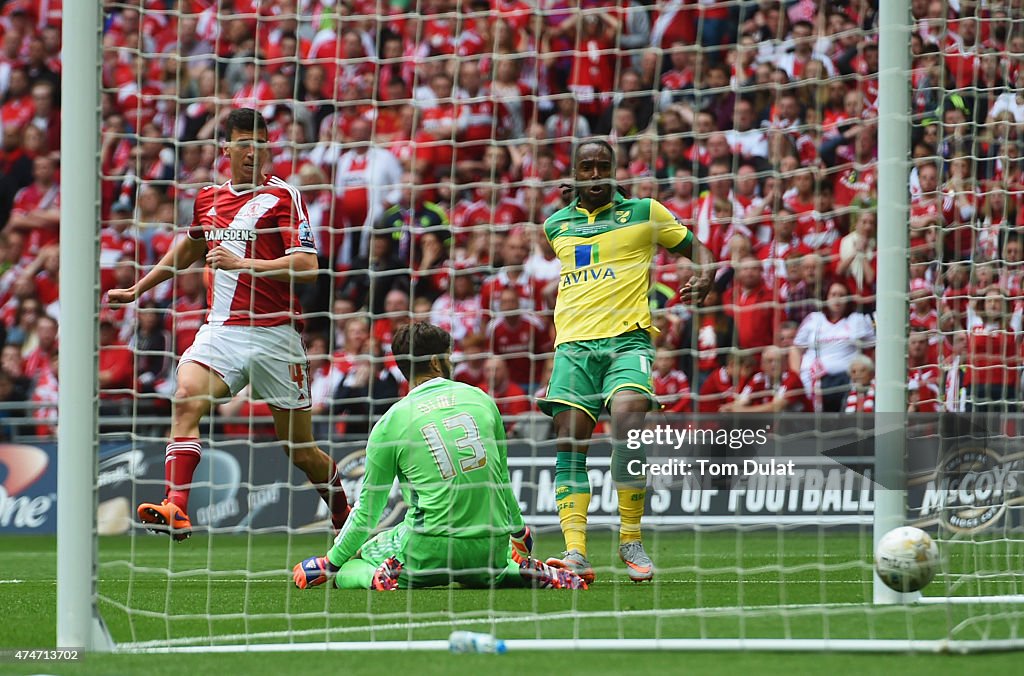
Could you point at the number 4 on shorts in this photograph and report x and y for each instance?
(298, 374)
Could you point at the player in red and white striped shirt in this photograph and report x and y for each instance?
(257, 241)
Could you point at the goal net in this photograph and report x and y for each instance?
(429, 141)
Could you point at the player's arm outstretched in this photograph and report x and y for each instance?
(381, 469)
(677, 238)
(183, 254)
(521, 537)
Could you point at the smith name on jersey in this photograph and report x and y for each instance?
(606, 261)
(265, 223)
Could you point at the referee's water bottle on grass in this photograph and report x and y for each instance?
(472, 642)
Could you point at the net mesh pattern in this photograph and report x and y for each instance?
(429, 141)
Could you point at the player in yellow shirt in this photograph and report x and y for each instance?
(603, 347)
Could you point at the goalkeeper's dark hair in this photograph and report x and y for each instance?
(244, 120)
(569, 189)
(413, 346)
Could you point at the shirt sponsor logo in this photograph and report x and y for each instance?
(588, 275)
(587, 254)
(230, 235)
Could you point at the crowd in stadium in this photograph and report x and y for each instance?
(431, 141)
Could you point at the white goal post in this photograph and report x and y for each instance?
(893, 243)
(78, 620)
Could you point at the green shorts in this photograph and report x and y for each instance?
(433, 561)
(587, 373)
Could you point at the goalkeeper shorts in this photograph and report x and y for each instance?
(270, 358)
(587, 373)
(434, 561)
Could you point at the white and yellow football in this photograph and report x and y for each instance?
(906, 559)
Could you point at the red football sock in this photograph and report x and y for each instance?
(333, 493)
(183, 454)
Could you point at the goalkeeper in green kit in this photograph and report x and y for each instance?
(445, 442)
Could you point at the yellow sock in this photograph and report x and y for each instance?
(572, 514)
(631, 510)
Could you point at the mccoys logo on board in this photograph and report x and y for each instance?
(970, 489)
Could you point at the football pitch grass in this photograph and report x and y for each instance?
(773, 584)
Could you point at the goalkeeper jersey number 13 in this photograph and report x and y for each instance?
(445, 441)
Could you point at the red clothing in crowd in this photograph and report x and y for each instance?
(855, 182)
(718, 390)
(33, 198)
(116, 247)
(925, 380)
(47, 288)
(525, 337)
(753, 313)
(926, 322)
(968, 225)
(46, 391)
(531, 292)
(36, 362)
(118, 361)
(861, 399)
(471, 375)
(761, 389)
(993, 357)
(186, 320)
(18, 111)
(261, 417)
(673, 391)
(511, 401)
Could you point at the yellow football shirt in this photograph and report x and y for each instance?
(606, 265)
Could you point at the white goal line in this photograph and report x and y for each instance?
(188, 644)
(962, 600)
(479, 618)
(690, 644)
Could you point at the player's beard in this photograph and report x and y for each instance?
(445, 366)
